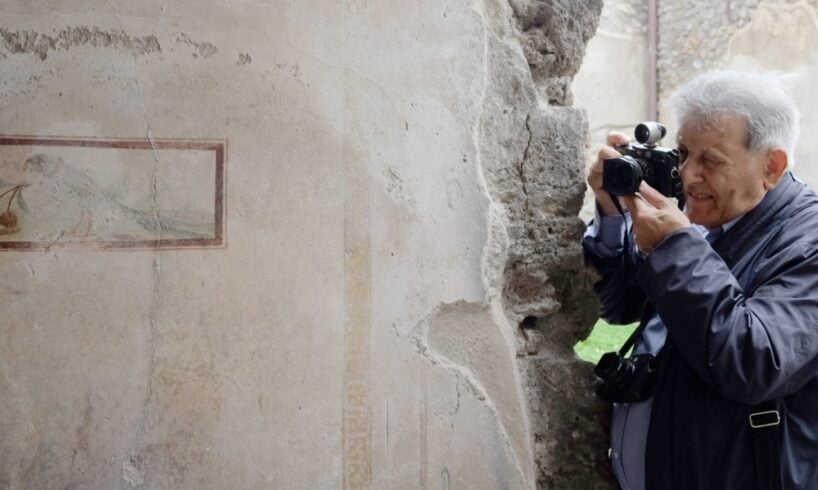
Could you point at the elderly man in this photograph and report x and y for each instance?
(727, 294)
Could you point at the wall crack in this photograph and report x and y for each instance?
(539, 272)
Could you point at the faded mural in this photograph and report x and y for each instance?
(404, 280)
(109, 194)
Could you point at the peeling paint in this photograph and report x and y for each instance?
(134, 471)
(39, 44)
(203, 49)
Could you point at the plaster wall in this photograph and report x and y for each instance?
(754, 35)
(393, 297)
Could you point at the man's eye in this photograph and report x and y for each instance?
(683, 154)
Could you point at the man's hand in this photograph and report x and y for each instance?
(606, 205)
(654, 217)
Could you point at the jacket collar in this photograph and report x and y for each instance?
(750, 227)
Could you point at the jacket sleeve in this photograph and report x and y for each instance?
(621, 298)
(752, 347)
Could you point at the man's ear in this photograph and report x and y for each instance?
(777, 161)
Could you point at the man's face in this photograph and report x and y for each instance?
(722, 179)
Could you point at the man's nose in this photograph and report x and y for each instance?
(690, 171)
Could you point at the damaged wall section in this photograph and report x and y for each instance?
(531, 149)
(530, 145)
(533, 160)
(39, 44)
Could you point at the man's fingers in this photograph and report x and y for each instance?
(652, 196)
(638, 204)
(617, 138)
(607, 152)
(628, 202)
(633, 202)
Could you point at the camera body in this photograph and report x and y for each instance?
(626, 380)
(644, 160)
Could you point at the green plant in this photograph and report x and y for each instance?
(604, 338)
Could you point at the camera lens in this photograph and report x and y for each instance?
(613, 368)
(621, 176)
(624, 176)
(608, 364)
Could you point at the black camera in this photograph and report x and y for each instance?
(645, 160)
(625, 380)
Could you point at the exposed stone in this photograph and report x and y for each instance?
(769, 35)
(696, 35)
(533, 160)
(556, 91)
(39, 44)
(554, 33)
(569, 426)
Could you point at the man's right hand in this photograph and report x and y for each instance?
(606, 205)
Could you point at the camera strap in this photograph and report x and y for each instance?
(626, 246)
(632, 339)
(616, 203)
(764, 421)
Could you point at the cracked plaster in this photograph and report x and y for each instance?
(269, 362)
(534, 235)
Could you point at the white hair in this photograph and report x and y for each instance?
(761, 99)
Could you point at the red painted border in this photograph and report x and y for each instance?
(219, 149)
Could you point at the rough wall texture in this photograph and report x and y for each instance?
(754, 34)
(533, 167)
(384, 280)
(695, 35)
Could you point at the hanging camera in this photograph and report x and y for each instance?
(626, 380)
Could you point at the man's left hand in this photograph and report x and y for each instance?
(654, 217)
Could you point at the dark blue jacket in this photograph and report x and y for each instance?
(742, 321)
